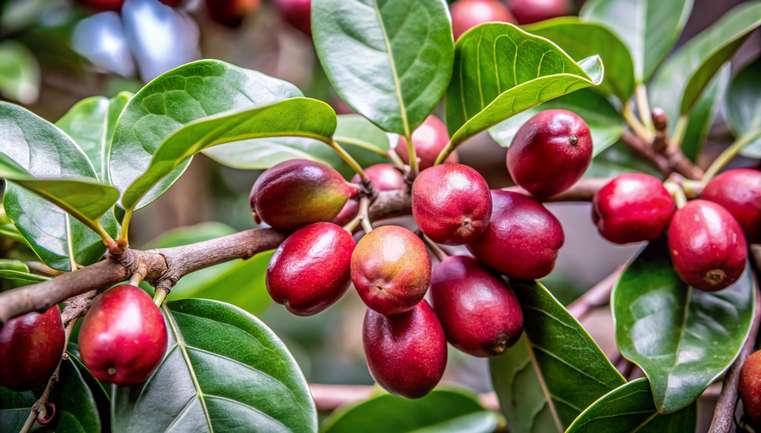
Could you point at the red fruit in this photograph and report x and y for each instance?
(429, 139)
(103, 5)
(406, 353)
(384, 177)
(231, 12)
(522, 239)
(739, 192)
(632, 207)
(297, 13)
(310, 270)
(531, 11)
(478, 310)
(298, 192)
(451, 203)
(550, 152)
(30, 347)
(707, 245)
(467, 14)
(750, 387)
(123, 336)
(391, 269)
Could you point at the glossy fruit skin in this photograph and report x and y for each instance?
(451, 203)
(550, 152)
(739, 192)
(707, 246)
(391, 269)
(231, 12)
(479, 312)
(123, 337)
(297, 13)
(531, 11)
(429, 139)
(406, 353)
(467, 14)
(750, 387)
(103, 5)
(384, 177)
(310, 270)
(30, 347)
(298, 192)
(632, 207)
(522, 239)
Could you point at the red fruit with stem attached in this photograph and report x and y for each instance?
(531, 11)
(298, 192)
(297, 13)
(467, 14)
(231, 12)
(429, 139)
(123, 336)
(750, 387)
(739, 192)
(310, 270)
(406, 353)
(391, 269)
(30, 347)
(478, 310)
(383, 177)
(522, 239)
(707, 245)
(550, 152)
(632, 207)
(103, 5)
(451, 203)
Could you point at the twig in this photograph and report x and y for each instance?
(328, 398)
(595, 297)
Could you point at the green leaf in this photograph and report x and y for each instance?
(650, 28)
(501, 70)
(190, 92)
(681, 337)
(630, 409)
(743, 102)
(583, 39)
(617, 159)
(19, 73)
(365, 141)
(703, 113)
(441, 411)
(50, 179)
(293, 117)
(17, 272)
(391, 60)
(604, 121)
(554, 371)
(224, 371)
(14, 408)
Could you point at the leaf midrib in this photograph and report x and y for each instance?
(543, 385)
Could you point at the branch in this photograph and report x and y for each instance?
(595, 297)
(671, 160)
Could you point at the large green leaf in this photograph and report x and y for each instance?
(50, 179)
(441, 411)
(630, 409)
(703, 113)
(190, 92)
(582, 39)
(294, 117)
(224, 371)
(743, 102)
(501, 70)
(604, 121)
(19, 72)
(391, 60)
(617, 159)
(554, 371)
(682, 338)
(650, 28)
(14, 408)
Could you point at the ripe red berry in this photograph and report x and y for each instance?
(429, 139)
(550, 152)
(103, 5)
(384, 177)
(750, 387)
(632, 207)
(739, 192)
(522, 239)
(310, 270)
(531, 11)
(123, 336)
(391, 269)
(451, 203)
(231, 12)
(298, 192)
(30, 347)
(478, 311)
(406, 353)
(297, 13)
(707, 245)
(467, 14)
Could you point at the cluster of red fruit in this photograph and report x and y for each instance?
(467, 14)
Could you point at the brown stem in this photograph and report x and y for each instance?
(583, 190)
(595, 297)
(673, 160)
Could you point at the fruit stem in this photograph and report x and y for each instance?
(444, 153)
(679, 130)
(124, 235)
(411, 155)
(364, 214)
(729, 154)
(348, 159)
(160, 296)
(396, 160)
(107, 239)
(138, 276)
(437, 251)
(643, 106)
(634, 123)
(677, 192)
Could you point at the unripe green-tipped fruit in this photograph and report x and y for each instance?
(467, 14)
(429, 139)
(739, 192)
(310, 270)
(531, 11)
(383, 177)
(30, 347)
(298, 192)
(707, 246)
(391, 269)
(477, 309)
(750, 388)
(451, 203)
(406, 353)
(123, 336)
